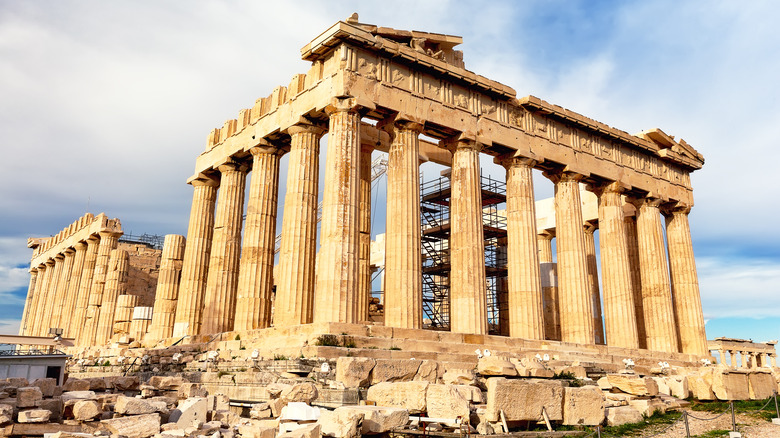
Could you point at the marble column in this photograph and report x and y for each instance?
(49, 310)
(574, 291)
(549, 279)
(468, 286)
(593, 280)
(61, 295)
(294, 301)
(685, 283)
(72, 293)
(28, 301)
(108, 242)
(167, 293)
(403, 252)
(195, 266)
(256, 271)
(525, 299)
(619, 310)
(124, 314)
(116, 285)
(219, 305)
(85, 286)
(364, 213)
(337, 262)
(656, 293)
(40, 306)
(632, 246)
(32, 314)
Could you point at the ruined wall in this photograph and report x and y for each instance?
(143, 271)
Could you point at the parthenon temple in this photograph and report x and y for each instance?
(409, 95)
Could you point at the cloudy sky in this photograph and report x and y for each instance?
(105, 105)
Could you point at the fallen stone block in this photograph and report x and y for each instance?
(394, 370)
(406, 395)
(28, 396)
(310, 431)
(275, 390)
(97, 384)
(218, 402)
(78, 395)
(170, 383)
(700, 388)
(6, 414)
(47, 386)
(299, 411)
(762, 385)
(523, 400)
(678, 386)
(34, 416)
(259, 411)
(470, 393)
(17, 382)
(75, 385)
(354, 372)
(632, 384)
(133, 406)
(187, 390)
(459, 377)
(137, 426)
(253, 429)
(648, 407)
(446, 401)
(125, 383)
(226, 418)
(428, 371)
(730, 385)
(620, 415)
(341, 423)
(380, 419)
(496, 366)
(584, 406)
(301, 392)
(86, 410)
(189, 411)
(53, 405)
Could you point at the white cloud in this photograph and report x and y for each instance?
(744, 288)
(10, 326)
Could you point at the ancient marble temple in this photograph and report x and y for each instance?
(373, 88)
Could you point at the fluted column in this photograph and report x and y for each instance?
(28, 301)
(32, 314)
(71, 296)
(108, 242)
(256, 272)
(685, 283)
(195, 266)
(526, 305)
(593, 280)
(116, 284)
(40, 306)
(49, 314)
(124, 314)
(167, 293)
(403, 252)
(219, 305)
(656, 292)
(549, 280)
(619, 310)
(61, 295)
(364, 213)
(632, 247)
(468, 287)
(574, 291)
(295, 287)
(85, 287)
(337, 262)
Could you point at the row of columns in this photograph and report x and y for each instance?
(227, 284)
(747, 359)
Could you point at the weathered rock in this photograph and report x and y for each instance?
(275, 390)
(354, 372)
(126, 383)
(496, 366)
(133, 406)
(137, 426)
(428, 371)
(166, 382)
(78, 395)
(28, 396)
(459, 377)
(17, 382)
(730, 385)
(663, 386)
(97, 384)
(189, 411)
(380, 419)
(603, 383)
(524, 399)
(678, 386)
(520, 367)
(394, 370)
(762, 385)
(632, 384)
(253, 429)
(86, 410)
(76, 385)
(470, 393)
(577, 371)
(406, 395)
(34, 416)
(484, 428)
(341, 423)
(276, 406)
(299, 411)
(218, 402)
(188, 390)
(622, 415)
(62, 434)
(583, 405)
(259, 411)
(6, 414)
(301, 392)
(226, 418)
(446, 401)
(648, 406)
(53, 405)
(47, 386)
(310, 431)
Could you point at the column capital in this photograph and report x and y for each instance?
(205, 180)
(563, 175)
(308, 128)
(59, 256)
(33, 270)
(547, 234)
(93, 239)
(591, 226)
(80, 246)
(648, 201)
(105, 234)
(608, 187)
(50, 262)
(464, 140)
(348, 104)
(401, 121)
(232, 165)
(509, 162)
(264, 149)
(69, 251)
(675, 208)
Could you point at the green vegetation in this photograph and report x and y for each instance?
(747, 407)
(568, 376)
(237, 338)
(328, 341)
(280, 357)
(654, 422)
(395, 348)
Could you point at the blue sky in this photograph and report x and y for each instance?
(105, 106)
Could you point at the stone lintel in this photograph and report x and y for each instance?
(100, 223)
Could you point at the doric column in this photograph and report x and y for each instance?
(124, 314)
(337, 262)
(40, 306)
(116, 284)
(32, 315)
(108, 242)
(526, 304)
(685, 283)
(295, 287)
(256, 272)
(773, 360)
(403, 253)
(593, 280)
(219, 305)
(85, 286)
(167, 293)
(364, 213)
(574, 291)
(632, 246)
(468, 287)
(656, 292)
(28, 301)
(71, 296)
(549, 279)
(619, 310)
(61, 295)
(195, 266)
(50, 310)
